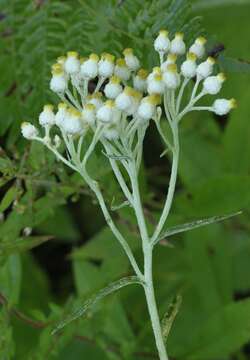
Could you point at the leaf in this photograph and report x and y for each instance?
(97, 297)
(223, 333)
(8, 198)
(116, 157)
(22, 244)
(170, 316)
(194, 225)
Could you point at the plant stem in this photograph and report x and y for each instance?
(152, 306)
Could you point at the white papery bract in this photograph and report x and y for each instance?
(72, 63)
(213, 84)
(223, 106)
(89, 113)
(106, 113)
(61, 114)
(189, 66)
(113, 88)
(29, 131)
(162, 42)
(140, 80)
(106, 65)
(205, 68)
(121, 70)
(171, 77)
(131, 60)
(47, 116)
(198, 47)
(89, 67)
(178, 45)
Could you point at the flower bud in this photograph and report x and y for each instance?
(162, 42)
(47, 116)
(72, 63)
(171, 78)
(147, 107)
(89, 114)
(106, 65)
(156, 85)
(124, 101)
(140, 80)
(171, 59)
(61, 114)
(198, 47)
(29, 131)
(89, 68)
(122, 70)
(178, 46)
(73, 122)
(189, 66)
(106, 113)
(96, 100)
(223, 106)
(131, 60)
(113, 88)
(58, 82)
(205, 68)
(212, 85)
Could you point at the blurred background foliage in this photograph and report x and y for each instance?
(55, 249)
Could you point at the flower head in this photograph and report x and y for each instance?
(29, 131)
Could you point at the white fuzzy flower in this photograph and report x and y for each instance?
(131, 60)
(156, 71)
(113, 88)
(89, 67)
(162, 42)
(156, 85)
(61, 114)
(73, 124)
(89, 113)
(47, 116)
(178, 46)
(223, 106)
(136, 97)
(189, 66)
(106, 113)
(171, 59)
(198, 47)
(121, 70)
(212, 85)
(106, 65)
(58, 82)
(72, 63)
(147, 107)
(205, 68)
(140, 80)
(28, 130)
(171, 77)
(95, 99)
(124, 101)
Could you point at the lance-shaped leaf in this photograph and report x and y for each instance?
(194, 225)
(170, 316)
(116, 157)
(112, 287)
(22, 244)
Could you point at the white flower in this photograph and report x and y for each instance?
(171, 59)
(96, 100)
(136, 97)
(89, 114)
(61, 114)
(205, 68)
(122, 70)
(156, 71)
(156, 85)
(131, 60)
(106, 113)
(198, 47)
(124, 101)
(189, 66)
(113, 88)
(73, 124)
(58, 82)
(28, 130)
(89, 67)
(171, 78)
(140, 80)
(147, 107)
(212, 85)
(223, 106)
(178, 46)
(106, 65)
(162, 42)
(72, 63)
(47, 116)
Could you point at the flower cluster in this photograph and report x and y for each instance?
(126, 96)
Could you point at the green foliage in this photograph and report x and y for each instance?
(209, 266)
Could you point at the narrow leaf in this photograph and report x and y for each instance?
(115, 157)
(119, 206)
(114, 286)
(170, 316)
(194, 225)
(8, 198)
